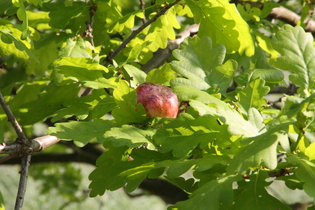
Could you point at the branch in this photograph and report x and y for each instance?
(291, 18)
(26, 161)
(37, 145)
(13, 121)
(136, 32)
(24, 143)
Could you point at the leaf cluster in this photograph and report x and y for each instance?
(222, 147)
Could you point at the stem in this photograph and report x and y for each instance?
(137, 31)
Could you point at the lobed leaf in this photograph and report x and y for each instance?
(162, 75)
(223, 24)
(127, 111)
(261, 150)
(93, 106)
(253, 194)
(136, 76)
(63, 14)
(81, 131)
(184, 134)
(43, 102)
(162, 30)
(252, 95)
(125, 22)
(13, 44)
(128, 135)
(297, 53)
(217, 193)
(76, 48)
(237, 125)
(304, 172)
(272, 76)
(201, 65)
(114, 170)
(84, 70)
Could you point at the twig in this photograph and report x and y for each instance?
(142, 6)
(6, 158)
(26, 161)
(13, 121)
(137, 31)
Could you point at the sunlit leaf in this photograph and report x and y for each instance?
(83, 132)
(221, 21)
(201, 65)
(252, 95)
(297, 53)
(262, 150)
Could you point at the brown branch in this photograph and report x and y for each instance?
(37, 145)
(291, 18)
(26, 161)
(137, 31)
(24, 142)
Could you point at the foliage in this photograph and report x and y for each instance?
(221, 149)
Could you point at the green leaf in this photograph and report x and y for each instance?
(269, 75)
(46, 52)
(81, 131)
(43, 102)
(161, 30)
(135, 51)
(2, 207)
(114, 170)
(305, 172)
(218, 194)
(186, 93)
(297, 53)
(186, 133)
(162, 75)
(106, 175)
(136, 75)
(22, 15)
(126, 22)
(201, 65)
(261, 150)
(223, 24)
(128, 135)
(61, 16)
(309, 151)
(76, 48)
(13, 45)
(252, 194)
(93, 106)
(252, 95)
(128, 111)
(237, 125)
(84, 70)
